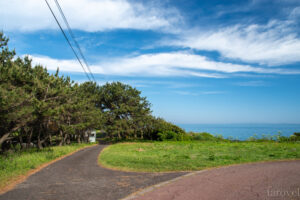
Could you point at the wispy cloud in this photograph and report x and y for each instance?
(295, 13)
(189, 93)
(162, 83)
(275, 43)
(161, 64)
(87, 15)
(166, 64)
(186, 93)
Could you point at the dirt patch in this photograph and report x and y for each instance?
(140, 149)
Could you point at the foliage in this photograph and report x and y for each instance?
(296, 135)
(173, 136)
(124, 110)
(156, 127)
(42, 109)
(167, 135)
(36, 106)
(279, 138)
(205, 137)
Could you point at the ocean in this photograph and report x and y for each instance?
(243, 131)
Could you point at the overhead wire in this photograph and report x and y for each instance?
(74, 39)
(63, 32)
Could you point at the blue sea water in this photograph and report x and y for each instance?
(243, 131)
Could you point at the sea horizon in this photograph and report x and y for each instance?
(243, 131)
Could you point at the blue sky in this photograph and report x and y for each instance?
(207, 61)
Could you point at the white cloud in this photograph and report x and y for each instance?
(163, 84)
(275, 43)
(295, 13)
(87, 15)
(187, 93)
(160, 64)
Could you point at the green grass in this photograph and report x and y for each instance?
(193, 155)
(19, 163)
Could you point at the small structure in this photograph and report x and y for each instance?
(92, 136)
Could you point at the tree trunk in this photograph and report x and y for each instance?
(68, 139)
(78, 139)
(142, 135)
(44, 140)
(29, 139)
(21, 142)
(50, 139)
(4, 138)
(39, 144)
(135, 135)
(6, 135)
(62, 138)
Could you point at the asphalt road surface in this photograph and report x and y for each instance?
(268, 181)
(79, 177)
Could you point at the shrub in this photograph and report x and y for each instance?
(295, 137)
(206, 137)
(183, 137)
(278, 138)
(167, 135)
(171, 135)
(297, 134)
(211, 156)
(281, 138)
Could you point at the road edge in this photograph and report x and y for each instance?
(22, 178)
(152, 187)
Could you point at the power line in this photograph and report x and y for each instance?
(67, 39)
(73, 37)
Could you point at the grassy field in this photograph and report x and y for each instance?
(13, 165)
(194, 155)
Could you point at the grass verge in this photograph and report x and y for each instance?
(15, 166)
(192, 155)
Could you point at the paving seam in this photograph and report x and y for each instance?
(151, 188)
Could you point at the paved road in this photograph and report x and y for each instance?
(272, 180)
(79, 177)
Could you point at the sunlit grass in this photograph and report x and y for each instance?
(192, 155)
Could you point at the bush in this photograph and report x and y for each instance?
(167, 135)
(297, 134)
(211, 156)
(183, 137)
(171, 135)
(278, 138)
(281, 138)
(206, 137)
(295, 137)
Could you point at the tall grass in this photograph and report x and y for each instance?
(193, 155)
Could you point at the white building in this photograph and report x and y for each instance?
(92, 136)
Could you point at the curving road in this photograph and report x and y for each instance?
(79, 177)
(268, 181)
